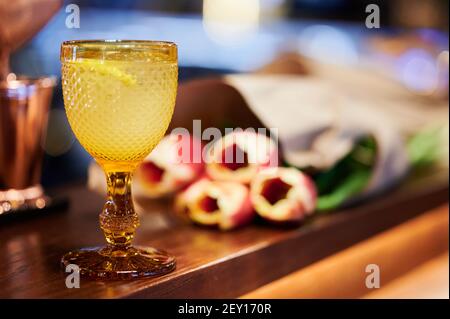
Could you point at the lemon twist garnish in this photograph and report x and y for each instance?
(106, 68)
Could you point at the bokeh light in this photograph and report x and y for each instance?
(229, 22)
(328, 44)
(418, 71)
(59, 135)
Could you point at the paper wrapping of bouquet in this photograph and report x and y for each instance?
(322, 112)
(317, 126)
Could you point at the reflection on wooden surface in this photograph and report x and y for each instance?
(429, 280)
(396, 252)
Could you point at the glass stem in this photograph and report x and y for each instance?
(118, 219)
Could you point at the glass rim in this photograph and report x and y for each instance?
(161, 43)
(75, 49)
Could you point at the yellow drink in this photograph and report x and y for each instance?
(119, 110)
(119, 98)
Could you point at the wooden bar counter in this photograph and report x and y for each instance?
(211, 264)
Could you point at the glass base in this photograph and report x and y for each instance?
(110, 263)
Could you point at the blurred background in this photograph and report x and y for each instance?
(236, 36)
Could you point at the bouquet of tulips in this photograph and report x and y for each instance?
(227, 184)
(236, 178)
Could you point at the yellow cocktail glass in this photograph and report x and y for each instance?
(119, 98)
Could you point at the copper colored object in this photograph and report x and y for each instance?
(19, 21)
(24, 106)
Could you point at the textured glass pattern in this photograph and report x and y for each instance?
(119, 110)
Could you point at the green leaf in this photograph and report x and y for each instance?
(352, 185)
(348, 177)
(423, 147)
